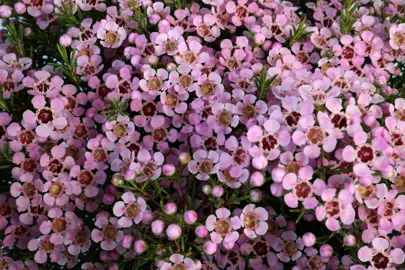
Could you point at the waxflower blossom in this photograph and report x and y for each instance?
(205, 134)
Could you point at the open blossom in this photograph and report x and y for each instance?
(111, 35)
(108, 232)
(178, 261)
(223, 227)
(253, 219)
(380, 255)
(204, 164)
(131, 209)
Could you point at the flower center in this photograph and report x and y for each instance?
(206, 166)
(170, 45)
(223, 227)
(80, 238)
(380, 261)
(124, 87)
(399, 38)
(155, 83)
(179, 266)
(365, 153)
(99, 154)
(45, 116)
(249, 111)
(29, 165)
(8, 85)
(55, 189)
(400, 182)
(241, 11)
(5, 210)
(120, 130)
(292, 118)
(315, 135)
(293, 167)
(290, 248)
(268, 142)
(332, 208)
(47, 246)
(43, 86)
(26, 137)
(55, 166)
(86, 34)
(203, 30)
(59, 225)
(110, 232)
(366, 192)
(85, 178)
(315, 263)
(225, 118)
(159, 134)
(149, 169)
(302, 190)
(185, 80)
(260, 248)
(339, 121)
(211, 144)
(171, 100)
(111, 38)
(81, 131)
(396, 139)
(132, 210)
(239, 156)
(29, 190)
(149, 109)
(251, 221)
(207, 88)
(348, 52)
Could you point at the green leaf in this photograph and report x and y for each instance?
(263, 84)
(299, 33)
(348, 17)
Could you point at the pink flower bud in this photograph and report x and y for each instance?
(255, 195)
(65, 40)
(170, 208)
(153, 59)
(190, 217)
(127, 241)
(309, 239)
(207, 189)
(20, 8)
(217, 191)
(169, 169)
(326, 251)
(140, 246)
(201, 231)
(113, 266)
(259, 39)
(117, 179)
(171, 67)
(210, 247)
(257, 179)
(147, 217)
(173, 232)
(5, 11)
(158, 227)
(184, 158)
(350, 240)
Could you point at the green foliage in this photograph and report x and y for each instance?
(16, 37)
(347, 17)
(118, 107)
(299, 33)
(141, 19)
(66, 15)
(6, 157)
(69, 65)
(263, 83)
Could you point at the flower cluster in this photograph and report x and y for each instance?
(202, 135)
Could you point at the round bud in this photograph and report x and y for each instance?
(350, 240)
(255, 195)
(207, 189)
(169, 169)
(309, 239)
(217, 191)
(158, 227)
(201, 231)
(173, 232)
(140, 246)
(117, 179)
(257, 179)
(184, 158)
(210, 247)
(190, 217)
(326, 251)
(65, 40)
(170, 208)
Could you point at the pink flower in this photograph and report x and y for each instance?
(130, 210)
(110, 34)
(177, 261)
(334, 208)
(254, 219)
(203, 164)
(223, 228)
(109, 233)
(380, 255)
